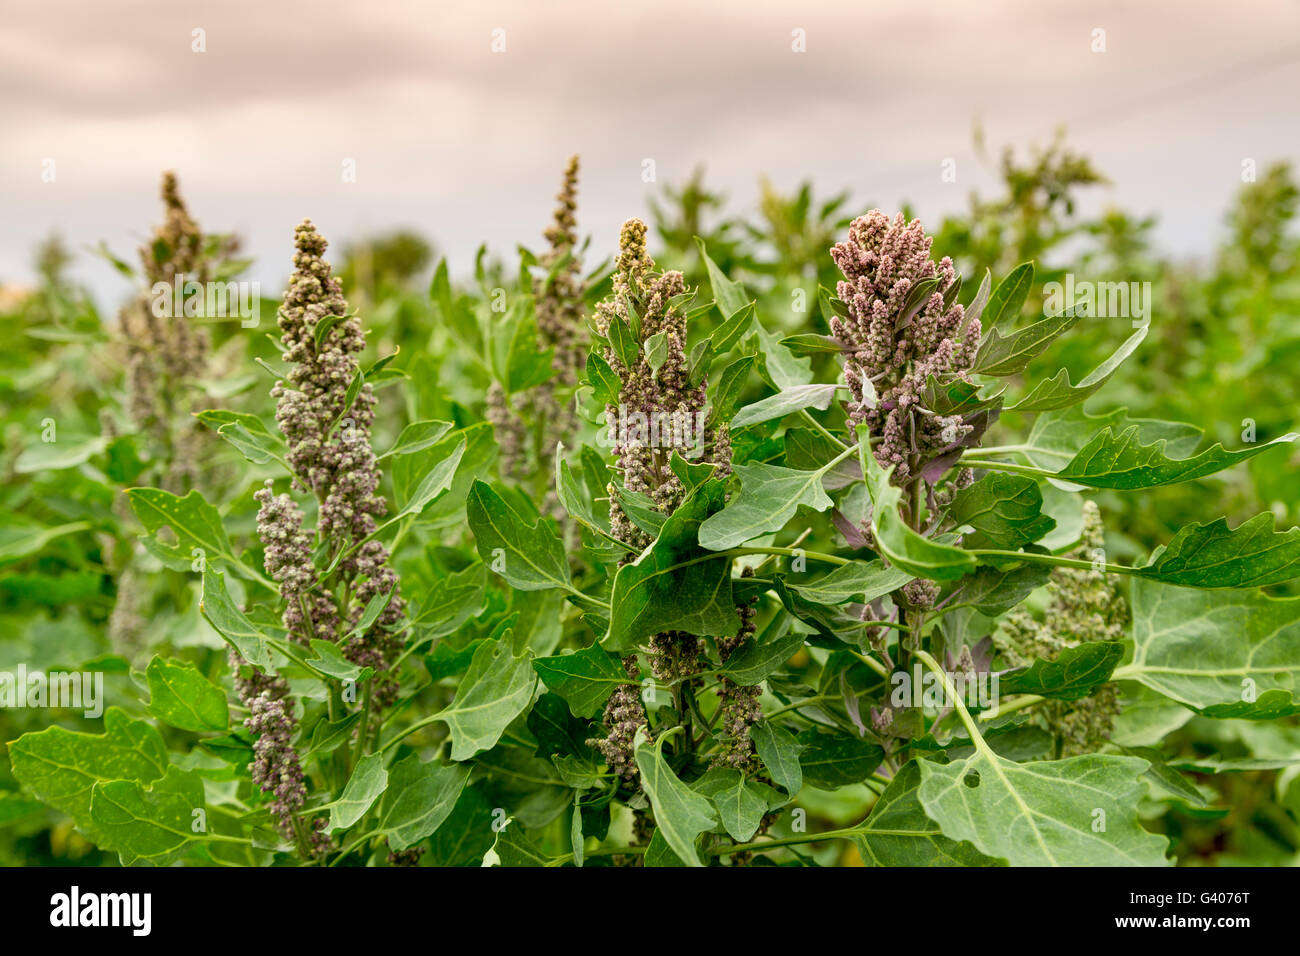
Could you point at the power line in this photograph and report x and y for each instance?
(1196, 87)
(1161, 99)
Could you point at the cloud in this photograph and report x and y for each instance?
(466, 144)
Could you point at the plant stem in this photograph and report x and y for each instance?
(874, 664)
(844, 833)
(1055, 561)
(1007, 466)
(819, 428)
(976, 738)
(1014, 704)
(791, 552)
(407, 731)
(798, 704)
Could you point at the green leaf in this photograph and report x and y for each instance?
(1008, 298)
(1005, 511)
(672, 585)
(659, 854)
(350, 397)
(447, 660)
(779, 751)
(577, 502)
(525, 364)
(768, 498)
(579, 773)
(830, 305)
(20, 537)
(831, 760)
(369, 779)
(604, 381)
(495, 690)
(741, 803)
(418, 436)
(514, 848)
(863, 581)
(54, 590)
(1076, 812)
(731, 385)
(782, 369)
(450, 604)
(623, 342)
(1006, 355)
(898, 833)
(656, 352)
(681, 814)
(784, 403)
(15, 808)
(899, 544)
(562, 738)
(691, 474)
(419, 799)
(576, 839)
(981, 299)
(1252, 555)
(231, 623)
(214, 418)
(1056, 437)
(917, 296)
(811, 343)
(1225, 654)
(380, 365)
(1057, 392)
(1235, 764)
(958, 397)
(181, 697)
(68, 452)
(1146, 717)
(1075, 673)
(1119, 460)
(640, 509)
(585, 678)
(1166, 777)
(61, 766)
(259, 447)
(440, 292)
(729, 296)
(434, 482)
(699, 362)
(448, 509)
(369, 614)
(994, 591)
(195, 523)
(842, 623)
(323, 328)
(328, 736)
(754, 662)
(529, 557)
(152, 823)
(731, 331)
(330, 660)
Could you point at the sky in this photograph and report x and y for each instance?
(457, 117)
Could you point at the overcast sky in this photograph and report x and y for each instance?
(466, 144)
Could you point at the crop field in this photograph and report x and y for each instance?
(807, 534)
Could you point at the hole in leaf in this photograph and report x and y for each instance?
(972, 779)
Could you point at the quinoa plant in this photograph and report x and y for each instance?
(534, 413)
(313, 647)
(963, 647)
